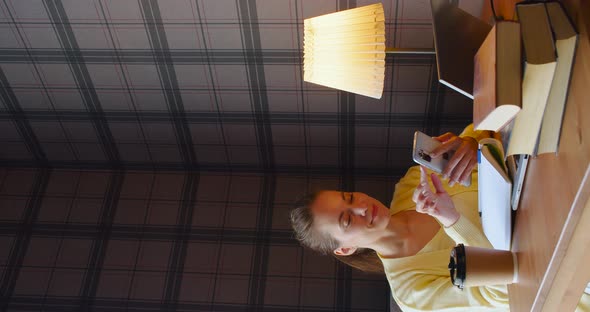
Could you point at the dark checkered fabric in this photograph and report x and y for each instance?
(168, 241)
(151, 150)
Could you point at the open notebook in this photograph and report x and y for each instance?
(499, 187)
(494, 191)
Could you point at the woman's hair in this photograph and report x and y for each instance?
(302, 222)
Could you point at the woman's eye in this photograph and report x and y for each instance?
(347, 220)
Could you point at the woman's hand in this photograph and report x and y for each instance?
(437, 204)
(463, 161)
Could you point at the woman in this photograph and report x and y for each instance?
(410, 242)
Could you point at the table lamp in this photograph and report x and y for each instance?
(346, 50)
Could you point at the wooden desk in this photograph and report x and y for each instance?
(552, 227)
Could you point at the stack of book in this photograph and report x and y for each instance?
(526, 106)
(532, 104)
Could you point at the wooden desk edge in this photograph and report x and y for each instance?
(568, 272)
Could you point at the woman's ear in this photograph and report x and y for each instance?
(344, 251)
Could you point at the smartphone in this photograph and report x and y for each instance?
(423, 145)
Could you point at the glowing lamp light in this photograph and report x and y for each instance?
(346, 50)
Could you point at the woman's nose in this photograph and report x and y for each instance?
(360, 211)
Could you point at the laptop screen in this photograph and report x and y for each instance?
(457, 37)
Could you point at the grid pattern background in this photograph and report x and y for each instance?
(165, 140)
(168, 241)
(205, 85)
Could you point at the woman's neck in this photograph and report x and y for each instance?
(406, 234)
(393, 241)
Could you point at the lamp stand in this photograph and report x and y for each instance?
(409, 51)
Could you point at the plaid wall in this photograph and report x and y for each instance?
(205, 85)
(209, 94)
(110, 241)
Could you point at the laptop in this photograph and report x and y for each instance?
(457, 37)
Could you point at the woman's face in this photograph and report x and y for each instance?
(354, 219)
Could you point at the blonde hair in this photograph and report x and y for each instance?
(302, 222)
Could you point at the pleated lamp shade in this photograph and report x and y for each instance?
(346, 50)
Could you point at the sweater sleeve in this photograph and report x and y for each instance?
(437, 293)
(469, 131)
(422, 283)
(467, 230)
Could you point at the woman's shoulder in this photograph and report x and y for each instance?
(404, 189)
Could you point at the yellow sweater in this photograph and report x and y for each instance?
(422, 282)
